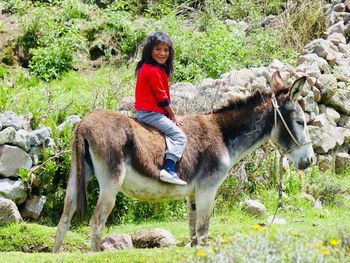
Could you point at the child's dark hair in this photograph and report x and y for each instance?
(151, 41)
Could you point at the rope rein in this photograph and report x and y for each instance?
(277, 113)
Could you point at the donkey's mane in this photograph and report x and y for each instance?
(251, 100)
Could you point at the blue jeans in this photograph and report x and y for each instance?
(174, 136)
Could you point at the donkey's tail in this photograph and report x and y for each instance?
(79, 148)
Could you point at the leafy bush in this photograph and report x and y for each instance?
(72, 9)
(18, 7)
(52, 61)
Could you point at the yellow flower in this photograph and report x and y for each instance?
(257, 227)
(201, 253)
(225, 240)
(319, 244)
(325, 252)
(333, 243)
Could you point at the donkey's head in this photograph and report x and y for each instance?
(290, 131)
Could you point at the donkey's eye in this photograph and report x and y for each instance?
(300, 122)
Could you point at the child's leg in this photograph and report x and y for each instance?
(175, 138)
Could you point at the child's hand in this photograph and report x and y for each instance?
(175, 120)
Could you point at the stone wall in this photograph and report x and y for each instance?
(20, 148)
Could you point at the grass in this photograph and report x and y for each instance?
(308, 232)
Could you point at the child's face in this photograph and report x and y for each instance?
(160, 53)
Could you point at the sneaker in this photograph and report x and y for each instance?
(172, 178)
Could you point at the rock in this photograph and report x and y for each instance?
(7, 136)
(342, 161)
(22, 140)
(339, 7)
(241, 77)
(322, 139)
(13, 190)
(12, 159)
(320, 121)
(8, 212)
(328, 87)
(308, 103)
(347, 5)
(255, 208)
(119, 241)
(311, 59)
(155, 237)
(323, 48)
(332, 115)
(336, 28)
(38, 137)
(10, 119)
(69, 121)
(341, 101)
(336, 39)
(33, 207)
(242, 177)
(344, 121)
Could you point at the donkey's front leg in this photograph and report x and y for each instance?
(192, 219)
(204, 203)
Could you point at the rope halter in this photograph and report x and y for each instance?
(277, 112)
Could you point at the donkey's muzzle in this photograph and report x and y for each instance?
(305, 163)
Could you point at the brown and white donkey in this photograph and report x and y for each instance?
(127, 156)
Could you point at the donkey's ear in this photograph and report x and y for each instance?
(276, 82)
(297, 88)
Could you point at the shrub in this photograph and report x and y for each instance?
(73, 9)
(18, 7)
(52, 61)
(301, 22)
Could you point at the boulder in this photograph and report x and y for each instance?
(7, 136)
(322, 139)
(155, 237)
(13, 190)
(13, 158)
(341, 101)
(38, 137)
(69, 121)
(22, 139)
(9, 212)
(33, 207)
(328, 87)
(255, 208)
(118, 241)
(10, 119)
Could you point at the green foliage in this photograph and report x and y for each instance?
(32, 30)
(51, 61)
(219, 49)
(301, 22)
(327, 186)
(18, 7)
(73, 9)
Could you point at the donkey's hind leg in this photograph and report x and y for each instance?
(70, 205)
(192, 219)
(109, 186)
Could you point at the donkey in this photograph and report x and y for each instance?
(127, 156)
